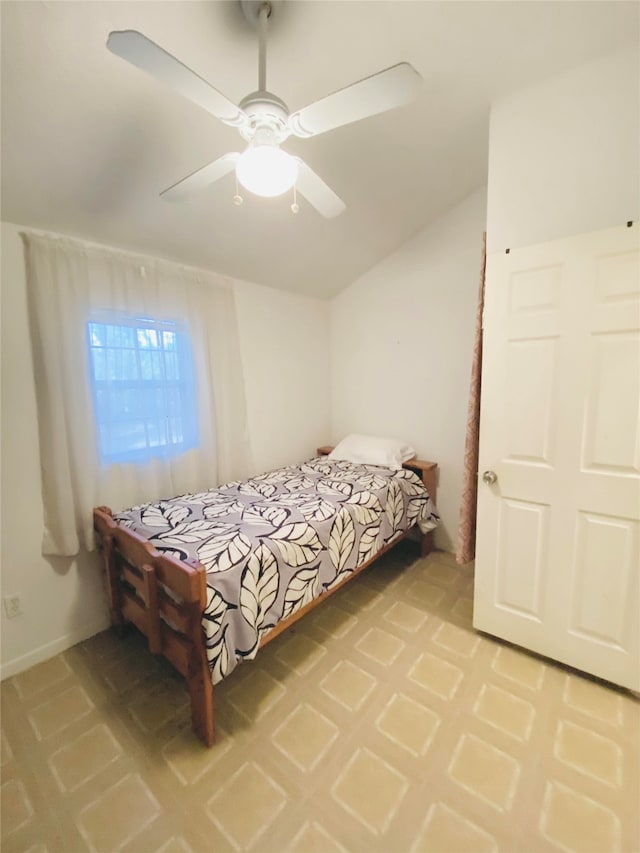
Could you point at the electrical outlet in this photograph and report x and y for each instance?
(12, 606)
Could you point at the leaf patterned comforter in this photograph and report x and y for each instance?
(274, 543)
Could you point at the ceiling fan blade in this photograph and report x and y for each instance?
(382, 91)
(150, 57)
(317, 193)
(201, 178)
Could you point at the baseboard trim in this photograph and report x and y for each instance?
(49, 650)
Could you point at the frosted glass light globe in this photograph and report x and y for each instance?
(266, 170)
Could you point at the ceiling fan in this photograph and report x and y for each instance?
(264, 120)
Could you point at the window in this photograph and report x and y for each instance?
(143, 388)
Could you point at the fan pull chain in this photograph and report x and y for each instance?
(237, 199)
(295, 206)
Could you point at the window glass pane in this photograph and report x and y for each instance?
(99, 360)
(174, 427)
(174, 403)
(171, 364)
(104, 438)
(127, 436)
(143, 388)
(169, 340)
(129, 364)
(97, 334)
(132, 403)
(113, 335)
(146, 366)
(156, 365)
(157, 434)
(112, 372)
(102, 404)
(147, 338)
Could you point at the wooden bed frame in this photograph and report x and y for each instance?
(165, 599)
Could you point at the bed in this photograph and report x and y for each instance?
(209, 578)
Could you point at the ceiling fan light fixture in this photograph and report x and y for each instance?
(266, 170)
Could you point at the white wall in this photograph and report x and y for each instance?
(285, 349)
(284, 344)
(401, 345)
(564, 155)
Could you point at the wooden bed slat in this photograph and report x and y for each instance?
(176, 649)
(180, 578)
(131, 577)
(134, 611)
(174, 613)
(153, 614)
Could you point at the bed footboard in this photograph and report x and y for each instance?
(164, 598)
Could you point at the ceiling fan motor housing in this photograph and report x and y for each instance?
(268, 118)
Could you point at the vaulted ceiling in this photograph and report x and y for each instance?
(89, 141)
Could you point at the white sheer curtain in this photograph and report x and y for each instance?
(68, 283)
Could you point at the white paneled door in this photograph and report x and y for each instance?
(558, 541)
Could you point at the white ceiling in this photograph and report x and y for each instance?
(88, 141)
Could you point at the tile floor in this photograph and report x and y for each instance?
(381, 722)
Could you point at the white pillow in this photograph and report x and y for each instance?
(368, 450)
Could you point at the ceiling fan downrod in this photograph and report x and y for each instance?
(263, 17)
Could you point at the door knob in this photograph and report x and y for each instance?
(490, 477)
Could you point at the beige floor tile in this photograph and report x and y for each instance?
(56, 714)
(589, 753)
(333, 621)
(42, 677)
(79, 761)
(380, 646)
(15, 807)
(505, 711)
(593, 699)
(313, 838)
(158, 704)
(446, 831)
(175, 845)
(305, 736)
(256, 695)
(576, 822)
(6, 753)
(126, 672)
(436, 675)
(408, 724)
(188, 760)
(449, 559)
(428, 594)
(300, 653)
(463, 609)
(360, 597)
(247, 804)
(485, 771)
(118, 815)
(441, 573)
(107, 647)
(457, 640)
(519, 667)
(405, 616)
(156, 838)
(348, 684)
(370, 789)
